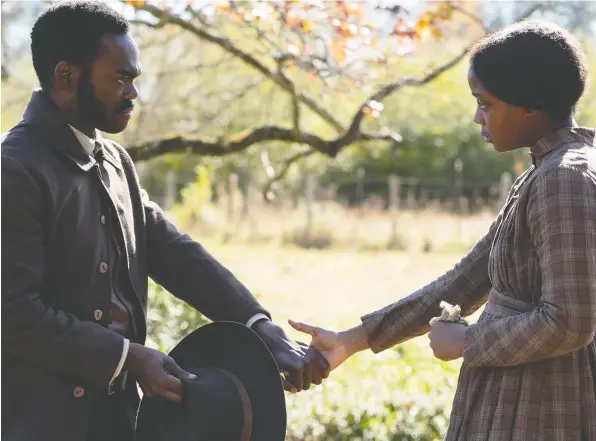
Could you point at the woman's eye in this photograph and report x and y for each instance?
(481, 105)
(123, 80)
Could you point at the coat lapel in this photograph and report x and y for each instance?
(49, 122)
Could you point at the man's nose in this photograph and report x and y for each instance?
(131, 92)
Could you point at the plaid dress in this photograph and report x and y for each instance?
(529, 368)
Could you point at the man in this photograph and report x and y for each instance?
(79, 240)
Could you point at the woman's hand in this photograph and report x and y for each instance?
(447, 340)
(336, 347)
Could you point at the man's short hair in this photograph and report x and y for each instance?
(532, 64)
(72, 32)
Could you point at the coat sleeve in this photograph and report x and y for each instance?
(187, 270)
(32, 330)
(562, 219)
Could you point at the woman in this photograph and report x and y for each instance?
(529, 364)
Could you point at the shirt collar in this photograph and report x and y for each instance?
(560, 137)
(87, 143)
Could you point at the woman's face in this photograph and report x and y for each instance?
(505, 126)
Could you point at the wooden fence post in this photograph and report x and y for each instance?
(394, 193)
(458, 165)
(505, 187)
(309, 196)
(170, 195)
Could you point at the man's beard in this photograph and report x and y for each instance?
(91, 108)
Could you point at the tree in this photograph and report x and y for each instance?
(296, 49)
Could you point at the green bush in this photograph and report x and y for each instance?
(402, 394)
(169, 319)
(196, 199)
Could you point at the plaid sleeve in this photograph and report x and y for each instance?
(562, 220)
(467, 285)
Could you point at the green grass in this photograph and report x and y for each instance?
(401, 394)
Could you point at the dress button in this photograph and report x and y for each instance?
(98, 314)
(102, 219)
(103, 267)
(79, 391)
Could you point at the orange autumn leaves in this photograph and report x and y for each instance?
(328, 33)
(337, 23)
(324, 39)
(373, 109)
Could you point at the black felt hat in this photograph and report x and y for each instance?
(237, 395)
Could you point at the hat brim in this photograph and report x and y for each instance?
(234, 347)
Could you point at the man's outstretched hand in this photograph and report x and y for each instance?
(301, 365)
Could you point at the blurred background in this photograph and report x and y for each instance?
(326, 153)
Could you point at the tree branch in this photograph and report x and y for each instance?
(354, 129)
(205, 145)
(293, 95)
(530, 11)
(228, 46)
(218, 146)
(385, 91)
(470, 15)
(285, 166)
(242, 141)
(157, 25)
(197, 66)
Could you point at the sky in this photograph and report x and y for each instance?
(15, 38)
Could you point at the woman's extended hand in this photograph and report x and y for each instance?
(336, 347)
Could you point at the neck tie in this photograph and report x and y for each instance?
(98, 152)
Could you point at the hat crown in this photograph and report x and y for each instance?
(219, 406)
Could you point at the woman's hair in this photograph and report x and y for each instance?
(532, 64)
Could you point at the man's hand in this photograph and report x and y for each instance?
(300, 364)
(156, 373)
(447, 340)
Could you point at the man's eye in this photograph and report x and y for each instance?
(123, 80)
(481, 105)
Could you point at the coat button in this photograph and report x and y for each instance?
(103, 267)
(98, 314)
(79, 391)
(102, 219)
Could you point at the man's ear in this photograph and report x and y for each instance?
(66, 75)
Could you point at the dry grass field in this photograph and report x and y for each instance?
(333, 286)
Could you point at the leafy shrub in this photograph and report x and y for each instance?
(402, 394)
(169, 319)
(196, 199)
